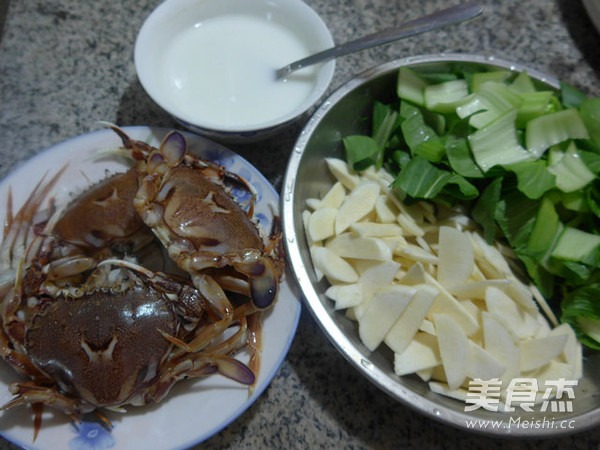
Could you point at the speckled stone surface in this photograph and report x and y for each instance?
(67, 64)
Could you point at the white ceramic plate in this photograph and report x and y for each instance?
(195, 409)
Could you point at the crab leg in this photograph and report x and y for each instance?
(69, 266)
(201, 365)
(18, 360)
(37, 409)
(17, 227)
(248, 311)
(232, 283)
(215, 294)
(255, 342)
(230, 368)
(201, 341)
(29, 393)
(263, 279)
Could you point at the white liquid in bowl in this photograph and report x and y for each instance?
(220, 72)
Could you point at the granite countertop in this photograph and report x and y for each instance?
(67, 64)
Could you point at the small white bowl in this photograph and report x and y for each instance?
(211, 63)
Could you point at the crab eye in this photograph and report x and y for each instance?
(263, 296)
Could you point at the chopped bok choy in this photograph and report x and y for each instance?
(523, 158)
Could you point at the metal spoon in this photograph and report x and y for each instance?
(448, 16)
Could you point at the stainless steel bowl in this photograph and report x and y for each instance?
(307, 176)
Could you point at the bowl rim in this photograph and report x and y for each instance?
(332, 330)
(167, 7)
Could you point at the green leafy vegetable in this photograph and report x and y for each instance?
(582, 310)
(590, 114)
(444, 97)
(361, 151)
(570, 171)
(571, 96)
(522, 84)
(414, 128)
(545, 232)
(421, 179)
(497, 143)
(484, 211)
(549, 129)
(534, 178)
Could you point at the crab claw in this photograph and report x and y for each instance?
(233, 369)
(262, 278)
(172, 151)
(173, 148)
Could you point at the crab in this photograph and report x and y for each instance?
(91, 318)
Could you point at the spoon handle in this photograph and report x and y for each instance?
(448, 16)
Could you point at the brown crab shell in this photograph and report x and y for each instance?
(201, 211)
(103, 214)
(115, 334)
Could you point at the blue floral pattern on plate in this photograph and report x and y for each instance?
(91, 436)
